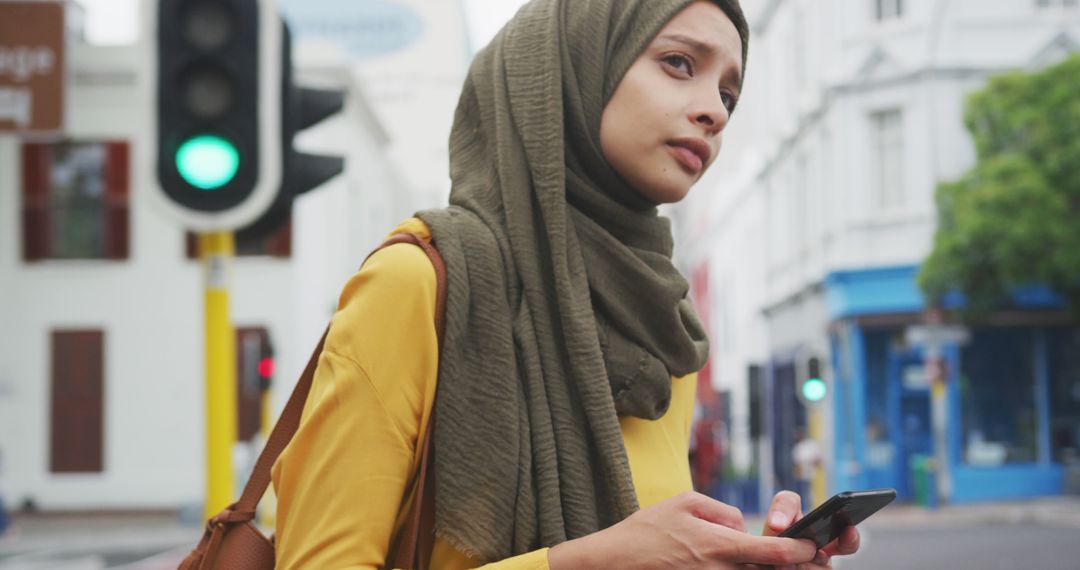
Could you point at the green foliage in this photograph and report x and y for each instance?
(1014, 218)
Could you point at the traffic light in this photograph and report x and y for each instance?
(227, 112)
(266, 371)
(301, 107)
(812, 387)
(218, 110)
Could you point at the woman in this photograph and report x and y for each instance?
(566, 377)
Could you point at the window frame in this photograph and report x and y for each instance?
(887, 144)
(38, 201)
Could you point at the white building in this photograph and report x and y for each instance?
(820, 208)
(412, 56)
(101, 311)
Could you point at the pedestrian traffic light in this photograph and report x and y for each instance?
(218, 110)
(812, 387)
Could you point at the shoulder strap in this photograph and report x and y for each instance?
(421, 516)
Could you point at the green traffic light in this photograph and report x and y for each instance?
(814, 390)
(207, 161)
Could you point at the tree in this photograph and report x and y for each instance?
(1014, 218)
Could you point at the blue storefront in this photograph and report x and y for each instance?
(1012, 392)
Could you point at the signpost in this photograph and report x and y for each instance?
(933, 337)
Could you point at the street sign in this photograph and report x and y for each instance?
(932, 338)
(32, 67)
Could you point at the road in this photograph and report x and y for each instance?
(1043, 534)
(973, 546)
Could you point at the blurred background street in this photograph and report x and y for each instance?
(885, 256)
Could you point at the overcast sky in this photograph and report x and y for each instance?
(116, 21)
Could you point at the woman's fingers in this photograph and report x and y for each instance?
(821, 560)
(774, 551)
(709, 509)
(847, 543)
(785, 509)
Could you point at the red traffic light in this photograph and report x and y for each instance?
(266, 367)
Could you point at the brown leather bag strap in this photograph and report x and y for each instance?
(417, 535)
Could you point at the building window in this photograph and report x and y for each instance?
(76, 438)
(997, 395)
(75, 200)
(888, 9)
(888, 148)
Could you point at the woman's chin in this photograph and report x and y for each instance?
(669, 192)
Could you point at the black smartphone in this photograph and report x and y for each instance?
(823, 524)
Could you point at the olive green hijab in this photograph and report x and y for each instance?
(564, 308)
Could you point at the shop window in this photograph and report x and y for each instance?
(76, 438)
(997, 394)
(1064, 369)
(879, 448)
(75, 200)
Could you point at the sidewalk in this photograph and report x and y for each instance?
(96, 540)
(1063, 512)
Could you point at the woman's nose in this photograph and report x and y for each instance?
(711, 114)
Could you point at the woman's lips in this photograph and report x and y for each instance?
(689, 160)
(692, 153)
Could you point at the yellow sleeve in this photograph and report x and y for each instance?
(342, 479)
(535, 560)
(345, 481)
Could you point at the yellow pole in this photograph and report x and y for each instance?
(817, 483)
(216, 250)
(266, 416)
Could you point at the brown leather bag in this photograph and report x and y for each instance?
(232, 541)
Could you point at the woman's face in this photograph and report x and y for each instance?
(661, 128)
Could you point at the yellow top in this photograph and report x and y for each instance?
(344, 483)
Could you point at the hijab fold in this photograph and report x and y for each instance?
(564, 308)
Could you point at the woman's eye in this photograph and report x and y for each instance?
(679, 62)
(729, 101)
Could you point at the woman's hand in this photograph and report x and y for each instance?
(687, 531)
(785, 510)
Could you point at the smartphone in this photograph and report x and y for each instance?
(823, 524)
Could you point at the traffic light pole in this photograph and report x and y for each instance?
(226, 113)
(816, 431)
(216, 250)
